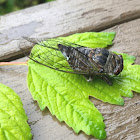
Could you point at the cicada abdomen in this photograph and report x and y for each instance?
(72, 58)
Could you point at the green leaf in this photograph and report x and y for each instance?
(13, 120)
(67, 95)
(91, 39)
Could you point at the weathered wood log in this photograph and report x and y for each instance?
(60, 18)
(122, 122)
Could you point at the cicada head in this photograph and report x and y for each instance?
(114, 64)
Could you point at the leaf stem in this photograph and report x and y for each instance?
(12, 63)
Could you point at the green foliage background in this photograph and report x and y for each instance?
(7, 6)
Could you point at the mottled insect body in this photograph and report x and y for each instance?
(81, 60)
(98, 61)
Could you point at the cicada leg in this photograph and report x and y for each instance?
(89, 78)
(106, 79)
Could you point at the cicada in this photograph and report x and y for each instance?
(72, 58)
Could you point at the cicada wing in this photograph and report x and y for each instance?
(49, 54)
(25, 46)
(46, 53)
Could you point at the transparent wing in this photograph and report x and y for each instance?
(48, 54)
